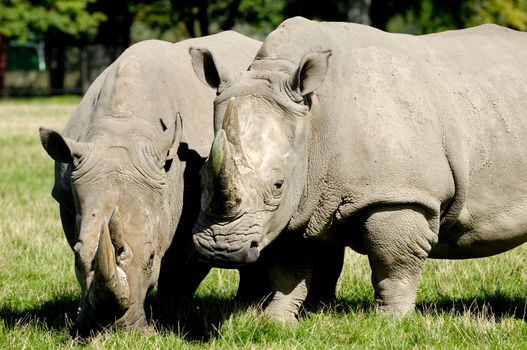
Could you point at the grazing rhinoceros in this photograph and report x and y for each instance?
(127, 175)
(401, 147)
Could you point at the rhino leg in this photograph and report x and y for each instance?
(178, 280)
(289, 283)
(254, 286)
(329, 259)
(290, 271)
(398, 241)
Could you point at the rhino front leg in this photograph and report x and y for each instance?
(327, 266)
(289, 284)
(254, 286)
(178, 280)
(398, 241)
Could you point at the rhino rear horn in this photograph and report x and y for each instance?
(231, 125)
(122, 250)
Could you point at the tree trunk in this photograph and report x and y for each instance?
(203, 17)
(55, 57)
(232, 13)
(3, 66)
(358, 11)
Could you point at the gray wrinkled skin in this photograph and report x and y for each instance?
(126, 176)
(402, 147)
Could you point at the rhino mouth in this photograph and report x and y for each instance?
(229, 246)
(89, 322)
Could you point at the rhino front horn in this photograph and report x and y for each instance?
(224, 181)
(110, 285)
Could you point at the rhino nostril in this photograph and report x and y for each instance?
(254, 244)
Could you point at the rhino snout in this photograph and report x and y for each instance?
(223, 253)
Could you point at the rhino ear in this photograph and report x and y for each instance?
(206, 67)
(61, 149)
(311, 72)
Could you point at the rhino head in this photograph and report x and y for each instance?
(120, 219)
(254, 177)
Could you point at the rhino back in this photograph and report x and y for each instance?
(435, 120)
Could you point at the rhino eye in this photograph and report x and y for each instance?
(119, 251)
(277, 188)
(151, 260)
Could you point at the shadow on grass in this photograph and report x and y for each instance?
(56, 314)
(198, 319)
(201, 318)
(342, 306)
(497, 305)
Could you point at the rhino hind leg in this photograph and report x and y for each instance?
(398, 241)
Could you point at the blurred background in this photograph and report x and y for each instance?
(51, 47)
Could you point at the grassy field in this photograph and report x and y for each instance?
(461, 304)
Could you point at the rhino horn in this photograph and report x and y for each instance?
(225, 177)
(116, 231)
(109, 282)
(231, 125)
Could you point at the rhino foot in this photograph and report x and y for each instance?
(285, 306)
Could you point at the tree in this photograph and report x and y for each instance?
(197, 14)
(508, 13)
(428, 16)
(58, 22)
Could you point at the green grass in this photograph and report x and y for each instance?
(461, 304)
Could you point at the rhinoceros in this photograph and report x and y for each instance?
(402, 147)
(127, 175)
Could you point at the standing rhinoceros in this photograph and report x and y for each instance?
(127, 167)
(401, 147)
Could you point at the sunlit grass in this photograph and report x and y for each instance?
(461, 304)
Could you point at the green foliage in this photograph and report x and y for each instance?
(430, 16)
(21, 18)
(263, 14)
(14, 18)
(508, 13)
